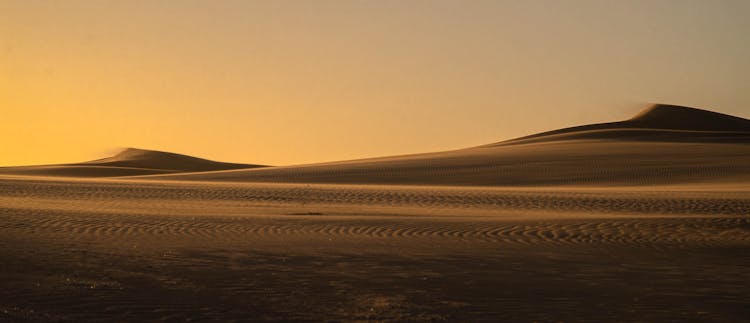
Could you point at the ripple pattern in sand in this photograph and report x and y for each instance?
(647, 232)
(634, 202)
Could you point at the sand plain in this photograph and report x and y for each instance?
(123, 250)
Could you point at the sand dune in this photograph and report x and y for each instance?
(129, 162)
(662, 145)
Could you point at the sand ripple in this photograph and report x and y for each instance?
(134, 251)
(116, 211)
(622, 202)
(647, 232)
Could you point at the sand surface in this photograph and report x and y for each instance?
(122, 250)
(646, 219)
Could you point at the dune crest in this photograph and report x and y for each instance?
(153, 159)
(660, 122)
(664, 116)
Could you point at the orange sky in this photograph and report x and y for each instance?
(288, 82)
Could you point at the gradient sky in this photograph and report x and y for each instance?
(289, 82)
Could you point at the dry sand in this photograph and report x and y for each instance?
(646, 220)
(106, 250)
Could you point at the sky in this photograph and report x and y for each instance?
(293, 82)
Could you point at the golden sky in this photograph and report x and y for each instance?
(289, 82)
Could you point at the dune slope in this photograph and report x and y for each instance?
(662, 145)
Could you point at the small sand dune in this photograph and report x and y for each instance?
(140, 158)
(129, 162)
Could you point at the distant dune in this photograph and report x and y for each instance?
(139, 158)
(129, 162)
(662, 145)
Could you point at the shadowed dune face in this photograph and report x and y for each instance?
(661, 146)
(129, 162)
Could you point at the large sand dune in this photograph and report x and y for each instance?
(662, 145)
(129, 162)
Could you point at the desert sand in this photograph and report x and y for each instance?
(639, 220)
(129, 162)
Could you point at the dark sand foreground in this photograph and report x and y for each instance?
(116, 250)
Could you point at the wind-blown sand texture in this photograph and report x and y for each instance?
(80, 250)
(614, 222)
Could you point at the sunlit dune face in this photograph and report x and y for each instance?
(270, 82)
